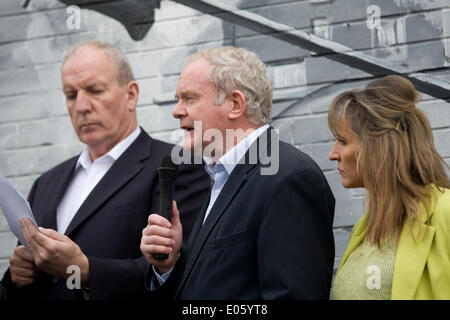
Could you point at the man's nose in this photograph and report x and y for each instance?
(179, 111)
(82, 104)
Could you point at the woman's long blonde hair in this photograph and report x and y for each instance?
(397, 159)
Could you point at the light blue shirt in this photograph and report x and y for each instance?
(219, 172)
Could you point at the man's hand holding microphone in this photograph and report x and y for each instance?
(162, 237)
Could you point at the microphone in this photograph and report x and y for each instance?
(167, 172)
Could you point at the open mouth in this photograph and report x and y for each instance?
(187, 128)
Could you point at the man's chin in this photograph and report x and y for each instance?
(89, 138)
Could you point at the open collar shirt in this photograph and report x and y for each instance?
(87, 175)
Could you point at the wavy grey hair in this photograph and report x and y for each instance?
(124, 74)
(236, 68)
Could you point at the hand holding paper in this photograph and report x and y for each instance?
(54, 252)
(22, 267)
(43, 249)
(14, 206)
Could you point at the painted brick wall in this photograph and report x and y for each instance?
(36, 133)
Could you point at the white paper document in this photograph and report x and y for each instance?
(14, 207)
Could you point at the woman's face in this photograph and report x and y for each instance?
(345, 151)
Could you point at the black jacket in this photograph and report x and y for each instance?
(108, 226)
(266, 237)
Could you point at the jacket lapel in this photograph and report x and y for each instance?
(48, 219)
(232, 186)
(411, 257)
(198, 224)
(358, 234)
(122, 171)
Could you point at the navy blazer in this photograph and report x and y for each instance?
(108, 226)
(266, 236)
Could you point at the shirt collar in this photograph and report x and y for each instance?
(230, 159)
(85, 161)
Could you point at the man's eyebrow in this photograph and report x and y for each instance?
(187, 93)
(93, 86)
(94, 83)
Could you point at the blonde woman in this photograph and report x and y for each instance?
(400, 248)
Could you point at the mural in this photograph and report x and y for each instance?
(137, 16)
(314, 49)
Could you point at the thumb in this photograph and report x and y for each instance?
(176, 223)
(52, 234)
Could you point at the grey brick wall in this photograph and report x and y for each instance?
(36, 133)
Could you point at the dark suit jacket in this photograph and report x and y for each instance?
(108, 226)
(266, 237)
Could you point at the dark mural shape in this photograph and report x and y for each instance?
(137, 16)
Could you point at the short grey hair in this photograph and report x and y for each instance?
(124, 74)
(236, 68)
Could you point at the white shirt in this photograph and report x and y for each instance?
(87, 174)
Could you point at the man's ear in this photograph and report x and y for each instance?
(239, 105)
(132, 91)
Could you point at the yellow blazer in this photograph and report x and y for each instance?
(422, 268)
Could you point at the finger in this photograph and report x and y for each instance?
(154, 249)
(35, 239)
(22, 281)
(23, 253)
(38, 239)
(157, 230)
(22, 264)
(28, 223)
(22, 272)
(175, 215)
(25, 232)
(158, 220)
(18, 262)
(53, 234)
(156, 240)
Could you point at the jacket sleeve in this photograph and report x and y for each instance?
(116, 278)
(295, 241)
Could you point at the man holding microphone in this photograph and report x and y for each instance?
(262, 234)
